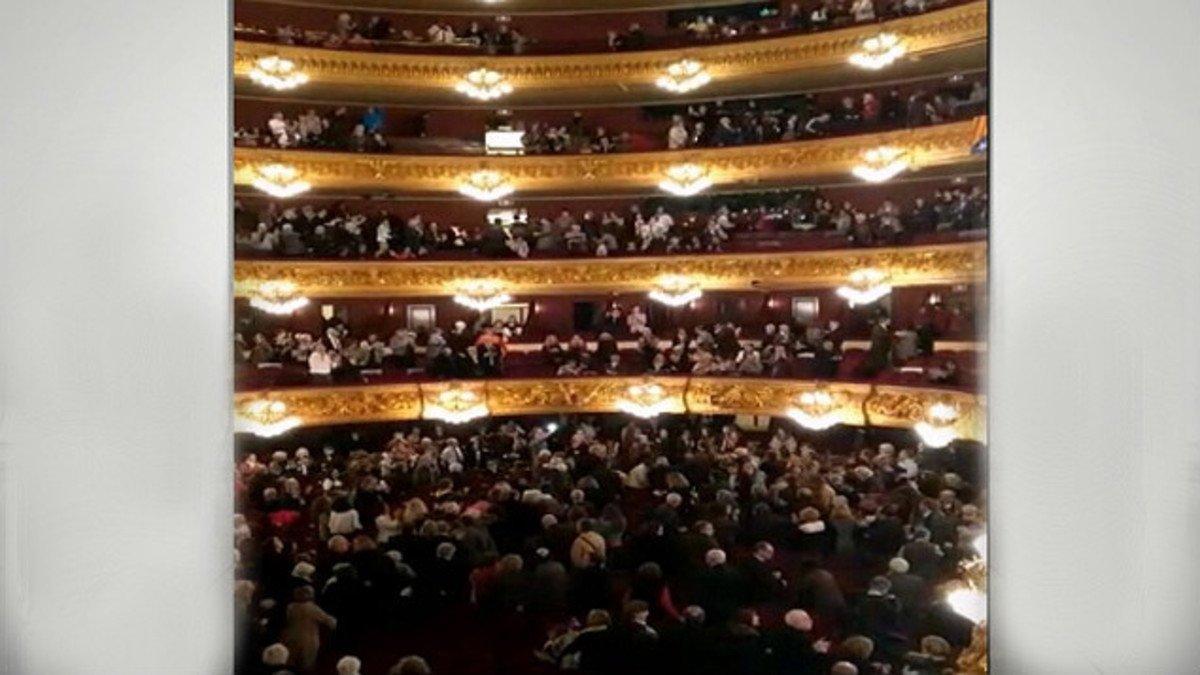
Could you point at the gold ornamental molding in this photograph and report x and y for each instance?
(857, 404)
(942, 148)
(940, 41)
(475, 8)
(903, 266)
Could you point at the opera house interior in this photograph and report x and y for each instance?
(610, 336)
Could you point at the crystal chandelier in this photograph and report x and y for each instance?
(685, 180)
(280, 180)
(485, 186)
(865, 287)
(644, 400)
(937, 429)
(968, 596)
(277, 73)
(683, 76)
(881, 164)
(265, 418)
(481, 295)
(483, 85)
(878, 51)
(456, 406)
(815, 410)
(277, 297)
(675, 291)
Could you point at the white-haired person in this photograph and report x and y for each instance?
(349, 665)
(275, 659)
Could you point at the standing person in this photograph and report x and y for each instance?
(302, 635)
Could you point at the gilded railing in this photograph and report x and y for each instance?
(855, 404)
(902, 266)
(928, 148)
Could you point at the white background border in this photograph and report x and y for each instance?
(114, 337)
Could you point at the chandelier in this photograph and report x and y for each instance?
(683, 76)
(866, 286)
(277, 73)
(483, 84)
(280, 180)
(968, 598)
(878, 51)
(685, 180)
(265, 418)
(937, 429)
(277, 297)
(644, 400)
(815, 410)
(881, 164)
(485, 185)
(675, 291)
(481, 295)
(456, 406)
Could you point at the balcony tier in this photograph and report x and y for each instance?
(942, 41)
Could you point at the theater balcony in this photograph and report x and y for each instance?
(938, 150)
(956, 414)
(946, 40)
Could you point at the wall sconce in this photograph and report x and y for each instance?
(485, 185)
(481, 295)
(279, 180)
(815, 409)
(878, 51)
(881, 164)
(277, 73)
(866, 286)
(675, 291)
(456, 406)
(277, 297)
(683, 76)
(483, 84)
(685, 180)
(644, 400)
(937, 429)
(265, 418)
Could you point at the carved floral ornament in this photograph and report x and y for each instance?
(850, 403)
(679, 172)
(904, 266)
(927, 33)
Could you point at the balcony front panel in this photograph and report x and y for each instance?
(934, 150)
(857, 404)
(941, 41)
(904, 266)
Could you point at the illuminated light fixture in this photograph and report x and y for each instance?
(881, 164)
(685, 180)
(968, 603)
(483, 85)
(265, 418)
(280, 180)
(815, 410)
(937, 429)
(683, 76)
(644, 400)
(865, 287)
(968, 596)
(878, 51)
(277, 73)
(486, 186)
(277, 297)
(481, 295)
(456, 406)
(675, 291)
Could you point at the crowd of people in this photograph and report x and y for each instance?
(705, 225)
(499, 35)
(714, 124)
(338, 129)
(601, 545)
(624, 344)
